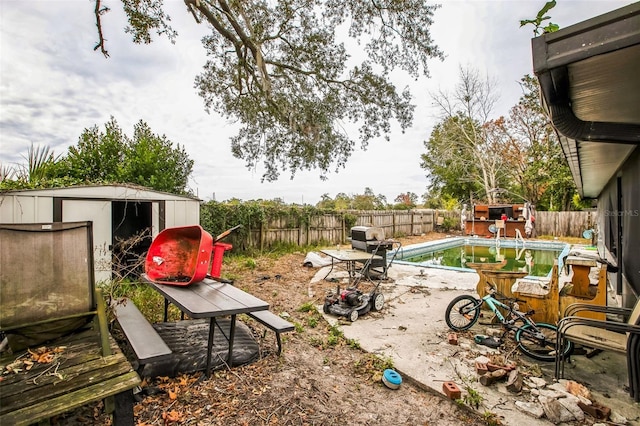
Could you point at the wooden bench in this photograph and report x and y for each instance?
(142, 337)
(548, 306)
(274, 322)
(48, 300)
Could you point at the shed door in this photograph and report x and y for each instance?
(131, 224)
(100, 213)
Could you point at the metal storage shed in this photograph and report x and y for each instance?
(117, 212)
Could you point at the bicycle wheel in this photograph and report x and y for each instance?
(541, 344)
(463, 312)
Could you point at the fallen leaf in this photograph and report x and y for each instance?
(173, 394)
(171, 417)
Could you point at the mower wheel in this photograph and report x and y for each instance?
(325, 307)
(377, 302)
(353, 315)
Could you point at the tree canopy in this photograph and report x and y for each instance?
(283, 71)
(470, 156)
(462, 154)
(107, 157)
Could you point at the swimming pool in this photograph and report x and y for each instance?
(534, 257)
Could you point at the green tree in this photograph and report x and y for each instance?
(368, 201)
(146, 159)
(449, 166)
(98, 157)
(462, 155)
(342, 201)
(151, 160)
(278, 69)
(43, 169)
(326, 202)
(107, 157)
(538, 168)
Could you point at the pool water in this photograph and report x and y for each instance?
(534, 258)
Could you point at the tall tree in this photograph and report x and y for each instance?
(151, 160)
(145, 159)
(279, 69)
(462, 146)
(532, 148)
(98, 156)
(449, 166)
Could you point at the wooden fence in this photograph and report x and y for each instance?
(565, 224)
(331, 229)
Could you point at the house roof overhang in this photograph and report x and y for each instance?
(589, 75)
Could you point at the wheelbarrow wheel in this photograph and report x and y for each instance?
(353, 315)
(378, 302)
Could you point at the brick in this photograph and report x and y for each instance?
(451, 390)
(494, 367)
(481, 368)
(452, 338)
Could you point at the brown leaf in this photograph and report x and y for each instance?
(171, 417)
(173, 394)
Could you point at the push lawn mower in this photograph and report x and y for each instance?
(352, 303)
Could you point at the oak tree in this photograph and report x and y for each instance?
(295, 73)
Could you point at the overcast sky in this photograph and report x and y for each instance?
(53, 86)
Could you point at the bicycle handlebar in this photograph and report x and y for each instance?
(494, 293)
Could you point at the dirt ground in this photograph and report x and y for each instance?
(320, 378)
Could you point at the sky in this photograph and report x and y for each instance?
(53, 85)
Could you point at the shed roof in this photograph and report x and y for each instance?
(588, 75)
(109, 192)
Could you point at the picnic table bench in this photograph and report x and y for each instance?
(49, 306)
(145, 342)
(167, 348)
(274, 322)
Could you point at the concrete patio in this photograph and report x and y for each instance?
(411, 331)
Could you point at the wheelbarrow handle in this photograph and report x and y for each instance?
(225, 233)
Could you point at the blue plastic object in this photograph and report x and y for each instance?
(391, 379)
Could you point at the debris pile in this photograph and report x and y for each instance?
(563, 401)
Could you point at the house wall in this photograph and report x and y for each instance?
(619, 225)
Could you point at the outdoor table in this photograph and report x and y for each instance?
(581, 267)
(350, 257)
(209, 299)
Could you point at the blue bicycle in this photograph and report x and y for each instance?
(536, 340)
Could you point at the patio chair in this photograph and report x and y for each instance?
(616, 336)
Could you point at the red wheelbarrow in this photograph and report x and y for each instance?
(182, 255)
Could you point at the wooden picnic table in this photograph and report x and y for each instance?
(209, 299)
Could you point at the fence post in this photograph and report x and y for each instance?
(393, 227)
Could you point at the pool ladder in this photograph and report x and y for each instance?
(519, 236)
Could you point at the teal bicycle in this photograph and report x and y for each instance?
(536, 340)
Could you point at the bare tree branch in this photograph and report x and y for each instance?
(99, 11)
